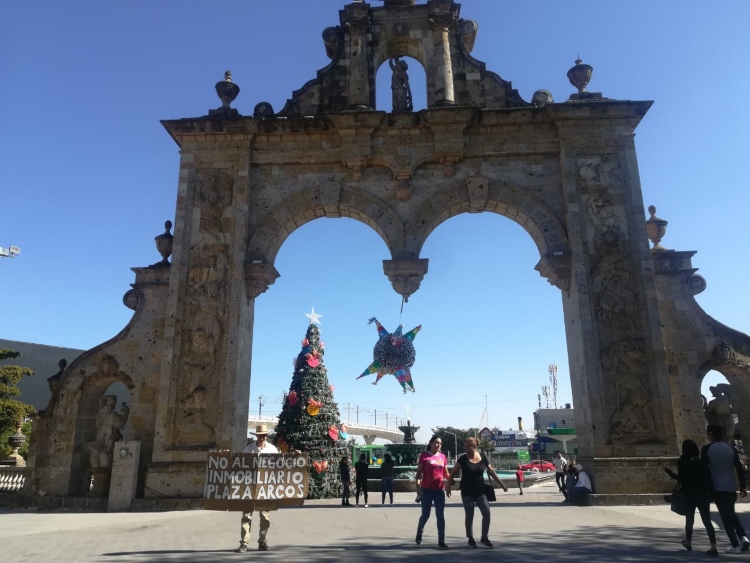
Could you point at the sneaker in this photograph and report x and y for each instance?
(262, 546)
(241, 549)
(443, 545)
(486, 541)
(733, 549)
(686, 545)
(472, 543)
(745, 544)
(712, 551)
(419, 537)
(367, 506)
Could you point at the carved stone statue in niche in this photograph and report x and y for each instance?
(402, 100)
(719, 410)
(108, 426)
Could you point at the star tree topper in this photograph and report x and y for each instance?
(313, 316)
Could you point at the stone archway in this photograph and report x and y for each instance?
(566, 172)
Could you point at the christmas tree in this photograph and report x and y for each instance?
(309, 420)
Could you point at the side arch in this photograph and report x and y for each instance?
(281, 221)
(536, 218)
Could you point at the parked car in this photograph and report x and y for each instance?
(536, 465)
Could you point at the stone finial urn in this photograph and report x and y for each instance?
(16, 441)
(580, 75)
(656, 228)
(164, 244)
(227, 90)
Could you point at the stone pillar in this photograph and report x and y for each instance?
(443, 20)
(623, 409)
(124, 479)
(356, 21)
(206, 359)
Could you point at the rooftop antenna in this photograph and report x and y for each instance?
(546, 393)
(553, 382)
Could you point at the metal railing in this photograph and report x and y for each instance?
(12, 479)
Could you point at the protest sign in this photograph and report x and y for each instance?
(248, 482)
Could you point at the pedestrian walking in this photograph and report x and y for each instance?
(723, 461)
(432, 468)
(520, 478)
(360, 469)
(346, 479)
(472, 466)
(386, 480)
(695, 483)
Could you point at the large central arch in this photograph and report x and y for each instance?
(566, 172)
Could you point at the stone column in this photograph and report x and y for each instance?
(205, 367)
(623, 408)
(443, 20)
(356, 21)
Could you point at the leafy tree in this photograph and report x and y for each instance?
(309, 420)
(11, 410)
(453, 439)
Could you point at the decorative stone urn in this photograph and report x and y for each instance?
(580, 75)
(15, 441)
(656, 228)
(164, 244)
(227, 92)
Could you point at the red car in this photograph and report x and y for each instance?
(536, 465)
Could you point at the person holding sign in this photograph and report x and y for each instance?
(262, 446)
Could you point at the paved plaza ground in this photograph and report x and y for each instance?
(533, 527)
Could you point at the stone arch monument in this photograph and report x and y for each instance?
(638, 343)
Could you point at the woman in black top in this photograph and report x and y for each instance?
(386, 480)
(472, 466)
(695, 482)
(346, 479)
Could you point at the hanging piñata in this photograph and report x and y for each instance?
(393, 353)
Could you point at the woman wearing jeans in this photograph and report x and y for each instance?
(432, 468)
(472, 466)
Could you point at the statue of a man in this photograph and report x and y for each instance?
(108, 426)
(719, 411)
(402, 100)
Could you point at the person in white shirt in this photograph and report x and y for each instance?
(262, 446)
(582, 488)
(561, 465)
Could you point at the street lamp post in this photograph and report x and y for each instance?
(11, 252)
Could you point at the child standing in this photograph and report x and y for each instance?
(520, 479)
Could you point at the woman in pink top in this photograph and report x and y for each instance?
(432, 468)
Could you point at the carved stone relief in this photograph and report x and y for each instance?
(214, 190)
(201, 342)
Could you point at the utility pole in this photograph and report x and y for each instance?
(376, 417)
(357, 414)
(386, 420)
(348, 412)
(261, 402)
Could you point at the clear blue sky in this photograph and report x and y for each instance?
(89, 176)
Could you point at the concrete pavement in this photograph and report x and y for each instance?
(532, 527)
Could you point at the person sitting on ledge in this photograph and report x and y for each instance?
(581, 489)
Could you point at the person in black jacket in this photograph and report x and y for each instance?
(695, 482)
(346, 478)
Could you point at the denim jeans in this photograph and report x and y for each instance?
(386, 486)
(428, 497)
(484, 508)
